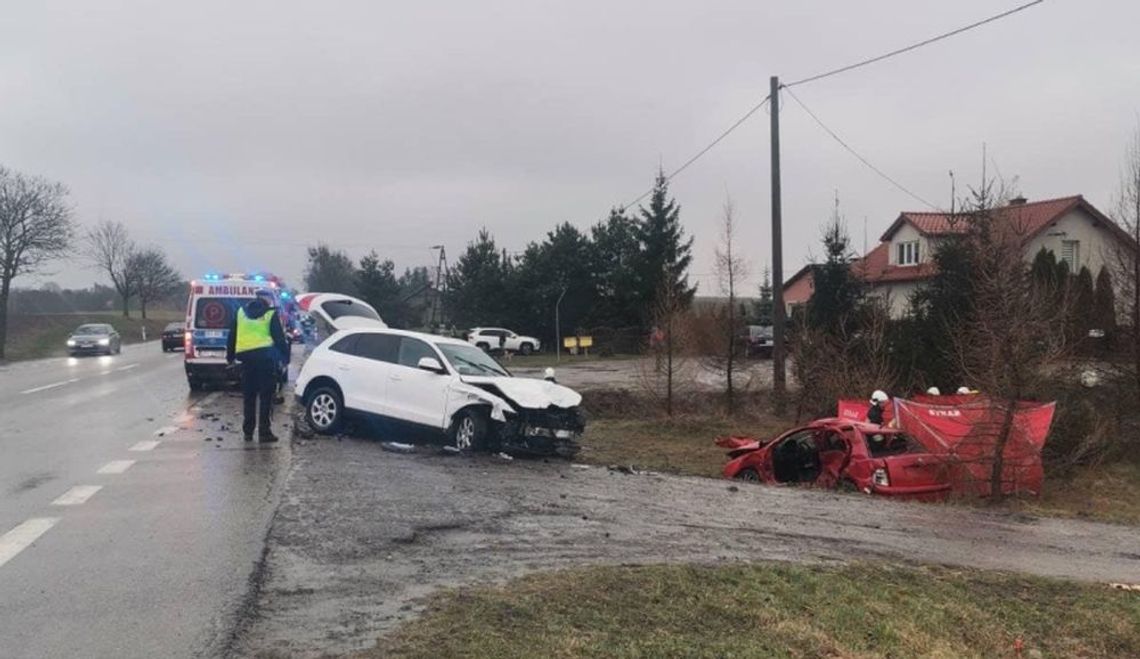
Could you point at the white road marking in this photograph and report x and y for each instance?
(77, 495)
(147, 445)
(126, 368)
(53, 385)
(115, 467)
(18, 539)
(165, 430)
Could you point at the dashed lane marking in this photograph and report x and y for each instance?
(126, 368)
(18, 539)
(165, 430)
(53, 385)
(77, 495)
(115, 467)
(147, 445)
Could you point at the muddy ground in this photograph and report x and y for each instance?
(639, 373)
(363, 534)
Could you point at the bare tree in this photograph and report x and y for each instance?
(1014, 341)
(35, 227)
(731, 267)
(155, 277)
(1125, 262)
(110, 249)
(669, 344)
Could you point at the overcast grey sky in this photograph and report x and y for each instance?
(233, 134)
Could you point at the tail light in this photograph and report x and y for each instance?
(188, 343)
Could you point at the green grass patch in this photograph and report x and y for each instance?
(34, 336)
(1108, 492)
(681, 445)
(773, 610)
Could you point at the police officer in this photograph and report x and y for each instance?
(256, 339)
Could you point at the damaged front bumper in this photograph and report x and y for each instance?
(553, 431)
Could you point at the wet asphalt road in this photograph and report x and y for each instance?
(157, 561)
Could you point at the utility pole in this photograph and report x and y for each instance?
(779, 384)
(438, 313)
(558, 327)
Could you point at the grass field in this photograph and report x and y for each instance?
(544, 359)
(34, 336)
(773, 610)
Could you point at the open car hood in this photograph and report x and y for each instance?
(314, 304)
(529, 392)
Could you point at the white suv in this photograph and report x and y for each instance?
(433, 382)
(497, 338)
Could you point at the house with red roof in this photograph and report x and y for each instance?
(1072, 228)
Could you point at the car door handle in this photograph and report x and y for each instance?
(342, 367)
(397, 378)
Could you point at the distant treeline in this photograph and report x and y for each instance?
(51, 298)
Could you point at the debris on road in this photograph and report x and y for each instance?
(397, 447)
(504, 456)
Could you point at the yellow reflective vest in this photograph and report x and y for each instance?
(253, 333)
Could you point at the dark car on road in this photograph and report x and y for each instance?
(758, 341)
(94, 339)
(173, 336)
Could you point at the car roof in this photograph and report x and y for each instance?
(424, 336)
(101, 325)
(835, 423)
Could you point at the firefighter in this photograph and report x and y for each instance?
(875, 413)
(257, 340)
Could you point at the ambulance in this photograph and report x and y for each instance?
(210, 309)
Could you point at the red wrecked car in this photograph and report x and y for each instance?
(840, 453)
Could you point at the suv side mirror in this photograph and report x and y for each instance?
(430, 364)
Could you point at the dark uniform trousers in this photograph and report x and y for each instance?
(258, 387)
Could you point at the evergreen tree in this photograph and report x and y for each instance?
(838, 292)
(561, 262)
(1083, 300)
(477, 286)
(1104, 302)
(764, 305)
(614, 256)
(330, 271)
(665, 252)
(376, 284)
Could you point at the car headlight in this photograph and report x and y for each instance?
(71, 342)
(104, 342)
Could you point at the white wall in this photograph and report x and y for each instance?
(897, 294)
(906, 234)
(1096, 243)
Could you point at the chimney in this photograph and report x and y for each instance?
(1019, 200)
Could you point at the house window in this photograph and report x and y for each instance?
(1071, 254)
(908, 253)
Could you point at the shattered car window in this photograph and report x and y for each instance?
(895, 443)
(469, 360)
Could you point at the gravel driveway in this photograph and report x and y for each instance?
(362, 534)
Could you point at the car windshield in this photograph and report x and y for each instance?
(469, 360)
(173, 327)
(93, 329)
(762, 332)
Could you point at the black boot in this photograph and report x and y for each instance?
(267, 438)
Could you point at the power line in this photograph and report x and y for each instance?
(914, 46)
(855, 153)
(728, 131)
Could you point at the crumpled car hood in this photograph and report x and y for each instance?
(529, 392)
